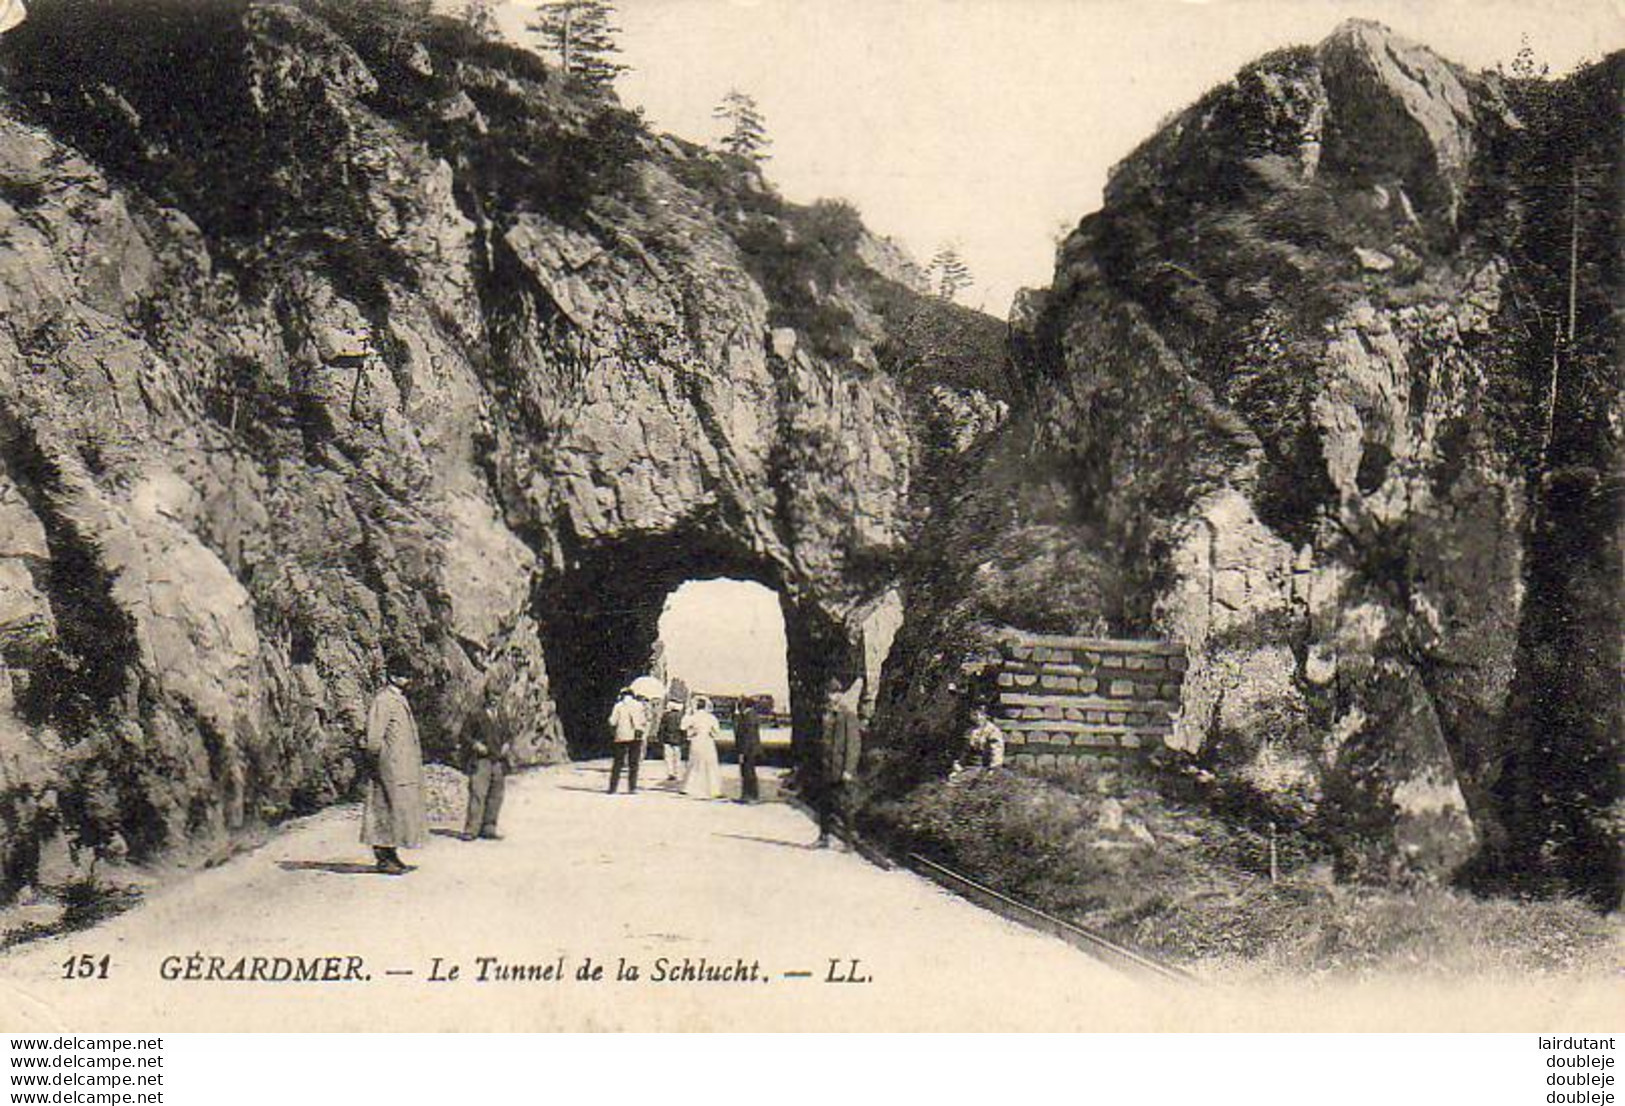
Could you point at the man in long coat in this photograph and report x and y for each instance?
(837, 766)
(393, 815)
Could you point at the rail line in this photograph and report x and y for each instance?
(1085, 940)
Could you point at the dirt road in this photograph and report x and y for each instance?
(647, 878)
(718, 906)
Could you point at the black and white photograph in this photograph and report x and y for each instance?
(746, 516)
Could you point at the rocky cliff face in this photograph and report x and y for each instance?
(331, 336)
(1290, 401)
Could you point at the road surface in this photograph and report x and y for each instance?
(647, 878)
(728, 899)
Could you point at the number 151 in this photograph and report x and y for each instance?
(85, 966)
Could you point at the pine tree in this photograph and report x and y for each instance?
(1561, 188)
(949, 272)
(1525, 66)
(747, 129)
(582, 34)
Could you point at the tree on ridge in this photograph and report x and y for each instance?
(747, 128)
(582, 35)
(948, 272)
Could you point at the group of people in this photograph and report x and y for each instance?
(394, 814)
(680, 722)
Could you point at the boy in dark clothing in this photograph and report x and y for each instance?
(489, 744)
(671, 739)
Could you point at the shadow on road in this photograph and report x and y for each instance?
(661, 788)
(336, 867)
(780, 842)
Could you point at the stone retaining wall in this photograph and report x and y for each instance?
(1068, 697)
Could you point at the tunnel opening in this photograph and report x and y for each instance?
(725, 639)
(601, 619)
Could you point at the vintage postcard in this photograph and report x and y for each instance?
(856, 515)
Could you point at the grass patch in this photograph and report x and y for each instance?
(83, 903)
(1109, 850)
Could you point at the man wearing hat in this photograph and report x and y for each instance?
(489, 742)
(835, 769)
(747, 747)
(670, 732)
(628, 725)
(393, 815)
(670, 728)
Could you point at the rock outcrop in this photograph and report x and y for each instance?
(1284, 402)
(331, 335)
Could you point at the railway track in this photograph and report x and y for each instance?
(1085, 940)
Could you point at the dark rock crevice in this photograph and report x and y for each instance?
(87, 676)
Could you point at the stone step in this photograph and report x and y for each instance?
(1095, 644)
(1096, 741)
(1039, 756)
(1024, 752)
(1053, 669)
(1074, 665)
(1013, 726)
(1084, 702)
(1061, 683)
(1133, 719)
(1117, 717)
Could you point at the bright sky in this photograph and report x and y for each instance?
(726, 636)
(992, 123)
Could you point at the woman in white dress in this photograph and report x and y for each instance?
(704, 779)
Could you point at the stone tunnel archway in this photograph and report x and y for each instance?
(724, 638)
(599, 620)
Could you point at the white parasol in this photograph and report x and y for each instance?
(647, 687)
(12, 13)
